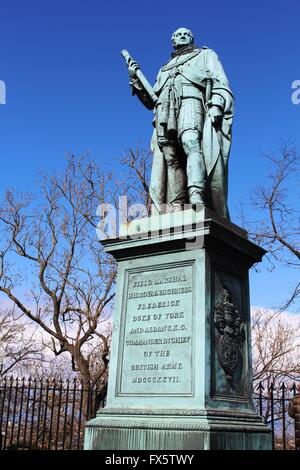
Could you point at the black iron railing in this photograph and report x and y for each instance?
(272, 403)
(43, 414)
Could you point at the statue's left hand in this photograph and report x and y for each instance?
(215, 114)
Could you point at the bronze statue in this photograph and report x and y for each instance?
(193, 113)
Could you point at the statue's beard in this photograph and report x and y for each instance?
(184, 50)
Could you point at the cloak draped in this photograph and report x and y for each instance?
(195, 67)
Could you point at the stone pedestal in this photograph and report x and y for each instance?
(180, 370)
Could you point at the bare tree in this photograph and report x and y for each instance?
(18, 346)
(138, 162)
(53, 268)
(278, 209)
(276, 367)
(276, 348)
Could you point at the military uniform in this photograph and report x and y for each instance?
(181, 107)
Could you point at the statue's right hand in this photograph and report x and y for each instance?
(132, 68)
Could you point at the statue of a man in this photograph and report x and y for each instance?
(193, 116)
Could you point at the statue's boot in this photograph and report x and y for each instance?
(177, 206)
(197, 195)
(176, 183)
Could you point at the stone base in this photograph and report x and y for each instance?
(180, 371)
(116, 432)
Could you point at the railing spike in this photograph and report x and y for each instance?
(293, 388)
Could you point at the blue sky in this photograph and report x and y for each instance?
(67, 85)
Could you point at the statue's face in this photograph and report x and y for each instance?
(182, 37)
